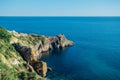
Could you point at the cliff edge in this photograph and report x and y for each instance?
(31, 47)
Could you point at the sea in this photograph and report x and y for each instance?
(95, 54)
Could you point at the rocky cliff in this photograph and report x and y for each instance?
(12, 65)
(32, 46)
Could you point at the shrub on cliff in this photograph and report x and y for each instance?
(4, 34)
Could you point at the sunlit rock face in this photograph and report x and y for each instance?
(40, 68)
(60, 41)
(32, 46)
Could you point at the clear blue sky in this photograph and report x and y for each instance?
(59, 7)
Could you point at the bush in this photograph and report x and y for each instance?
(27, 76)
(4, 34)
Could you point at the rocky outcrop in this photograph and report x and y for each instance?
(26, 52)
(12, 65)
(32, 46)
(60, 42)
(40, 68)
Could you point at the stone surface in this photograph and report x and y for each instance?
(31, 47)
(40, 68)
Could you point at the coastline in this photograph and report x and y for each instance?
(32, 46)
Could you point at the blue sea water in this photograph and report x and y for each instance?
(95, 55)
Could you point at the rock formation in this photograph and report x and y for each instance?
(60, 42)
(32, 46)
(12, 65)
(40, 68)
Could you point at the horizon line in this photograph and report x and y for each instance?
(55, 16)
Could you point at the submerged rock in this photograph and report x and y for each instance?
(49, 69)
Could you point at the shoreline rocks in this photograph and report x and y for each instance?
(40, 68)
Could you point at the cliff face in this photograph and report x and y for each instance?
(31, 47)
(12, 65)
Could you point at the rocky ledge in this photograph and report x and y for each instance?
(31, 47)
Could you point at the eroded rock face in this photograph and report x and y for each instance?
(26, 52)
(40, 68)
(31, 48)
(29, 67)
(32, 52)
(60, 42)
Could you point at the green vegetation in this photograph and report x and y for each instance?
(38, 38)
(28, 76)
(4, 34)
(11, 63)
(31, 39)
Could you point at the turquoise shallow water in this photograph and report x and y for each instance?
(95, 55)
